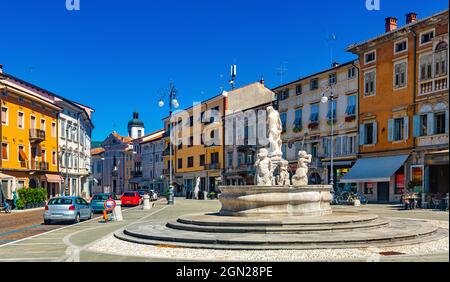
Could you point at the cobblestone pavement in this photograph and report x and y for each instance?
(76, 242)
(15, 226)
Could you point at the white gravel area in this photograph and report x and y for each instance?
(112, 245)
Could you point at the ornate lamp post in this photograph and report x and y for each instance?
(173, 104)
(324, 100)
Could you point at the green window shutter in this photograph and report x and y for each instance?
(416, 126)
(390, 130)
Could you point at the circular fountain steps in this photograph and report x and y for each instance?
(229, 224)
(216, 232)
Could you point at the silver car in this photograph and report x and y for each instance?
(70, 208)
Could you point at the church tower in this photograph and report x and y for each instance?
(135, 127)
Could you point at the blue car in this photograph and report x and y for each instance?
(98, 201)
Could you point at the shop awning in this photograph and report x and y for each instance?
(5, 176)
(52, 178)
(376, 169)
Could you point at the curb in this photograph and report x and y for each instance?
(27, 210)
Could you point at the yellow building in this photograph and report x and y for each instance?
(198, 152)
(29, 138)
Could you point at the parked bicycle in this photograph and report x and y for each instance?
(6, 207)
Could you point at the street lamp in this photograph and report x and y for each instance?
(324, 100)
(173, 103)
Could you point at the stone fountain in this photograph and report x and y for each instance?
(279, 213)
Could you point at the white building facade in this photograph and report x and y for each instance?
(75, 131)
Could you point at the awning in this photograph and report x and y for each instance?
(376, 169)
(5, 176)
(52, 178)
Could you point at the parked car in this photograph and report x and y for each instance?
(142, 192)
(69, 208)
(153, 195)
(131, 199)
(98, 202)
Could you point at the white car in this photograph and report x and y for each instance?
(153, 195)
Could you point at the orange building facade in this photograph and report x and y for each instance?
(396, 71)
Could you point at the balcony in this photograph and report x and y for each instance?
(37, 135)
(37, 165)
(433, 85)
(212, 166)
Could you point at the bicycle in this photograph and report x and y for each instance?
(6, 207)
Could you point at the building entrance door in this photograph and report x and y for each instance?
(383, 192)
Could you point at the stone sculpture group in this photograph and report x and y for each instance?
(271, 168)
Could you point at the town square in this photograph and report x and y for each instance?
(203, 132)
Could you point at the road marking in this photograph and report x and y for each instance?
(32, 244)
(73, 251)
(19, 230)
(19, 259)
(58, 229)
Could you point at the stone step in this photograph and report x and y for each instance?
(300, 228)
(397, 231)
(329, 220)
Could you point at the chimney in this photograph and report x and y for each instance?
(335, 65)
(261, 80)
(136, 115)
(391, 24)
(411, 18)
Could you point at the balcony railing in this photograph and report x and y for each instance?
(432, 85)
(212, 166)
(37, 165)
(37, 134)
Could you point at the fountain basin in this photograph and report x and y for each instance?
(308, 200)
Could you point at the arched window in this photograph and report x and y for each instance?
(440, 59)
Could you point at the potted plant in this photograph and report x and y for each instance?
(297, 129)
(212, 195)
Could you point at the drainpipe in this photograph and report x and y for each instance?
(357, 115)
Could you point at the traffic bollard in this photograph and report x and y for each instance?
(117, 211)
(146, 202)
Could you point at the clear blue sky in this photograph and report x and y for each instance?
(116, 55)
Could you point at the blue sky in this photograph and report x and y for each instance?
(117, 55)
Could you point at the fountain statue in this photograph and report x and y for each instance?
(301, 175)
(283, 176)
(275, 129)
(263, 165)
(197, 188)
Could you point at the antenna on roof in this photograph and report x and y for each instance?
(330, 40)
(281, 71)
(233, 76)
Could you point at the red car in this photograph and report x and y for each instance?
(131, 199)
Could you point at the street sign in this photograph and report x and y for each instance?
(109, 204)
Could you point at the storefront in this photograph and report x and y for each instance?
(53, 184)
(381, 179)
(437, 172)
(340, 169)
(7, 183)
